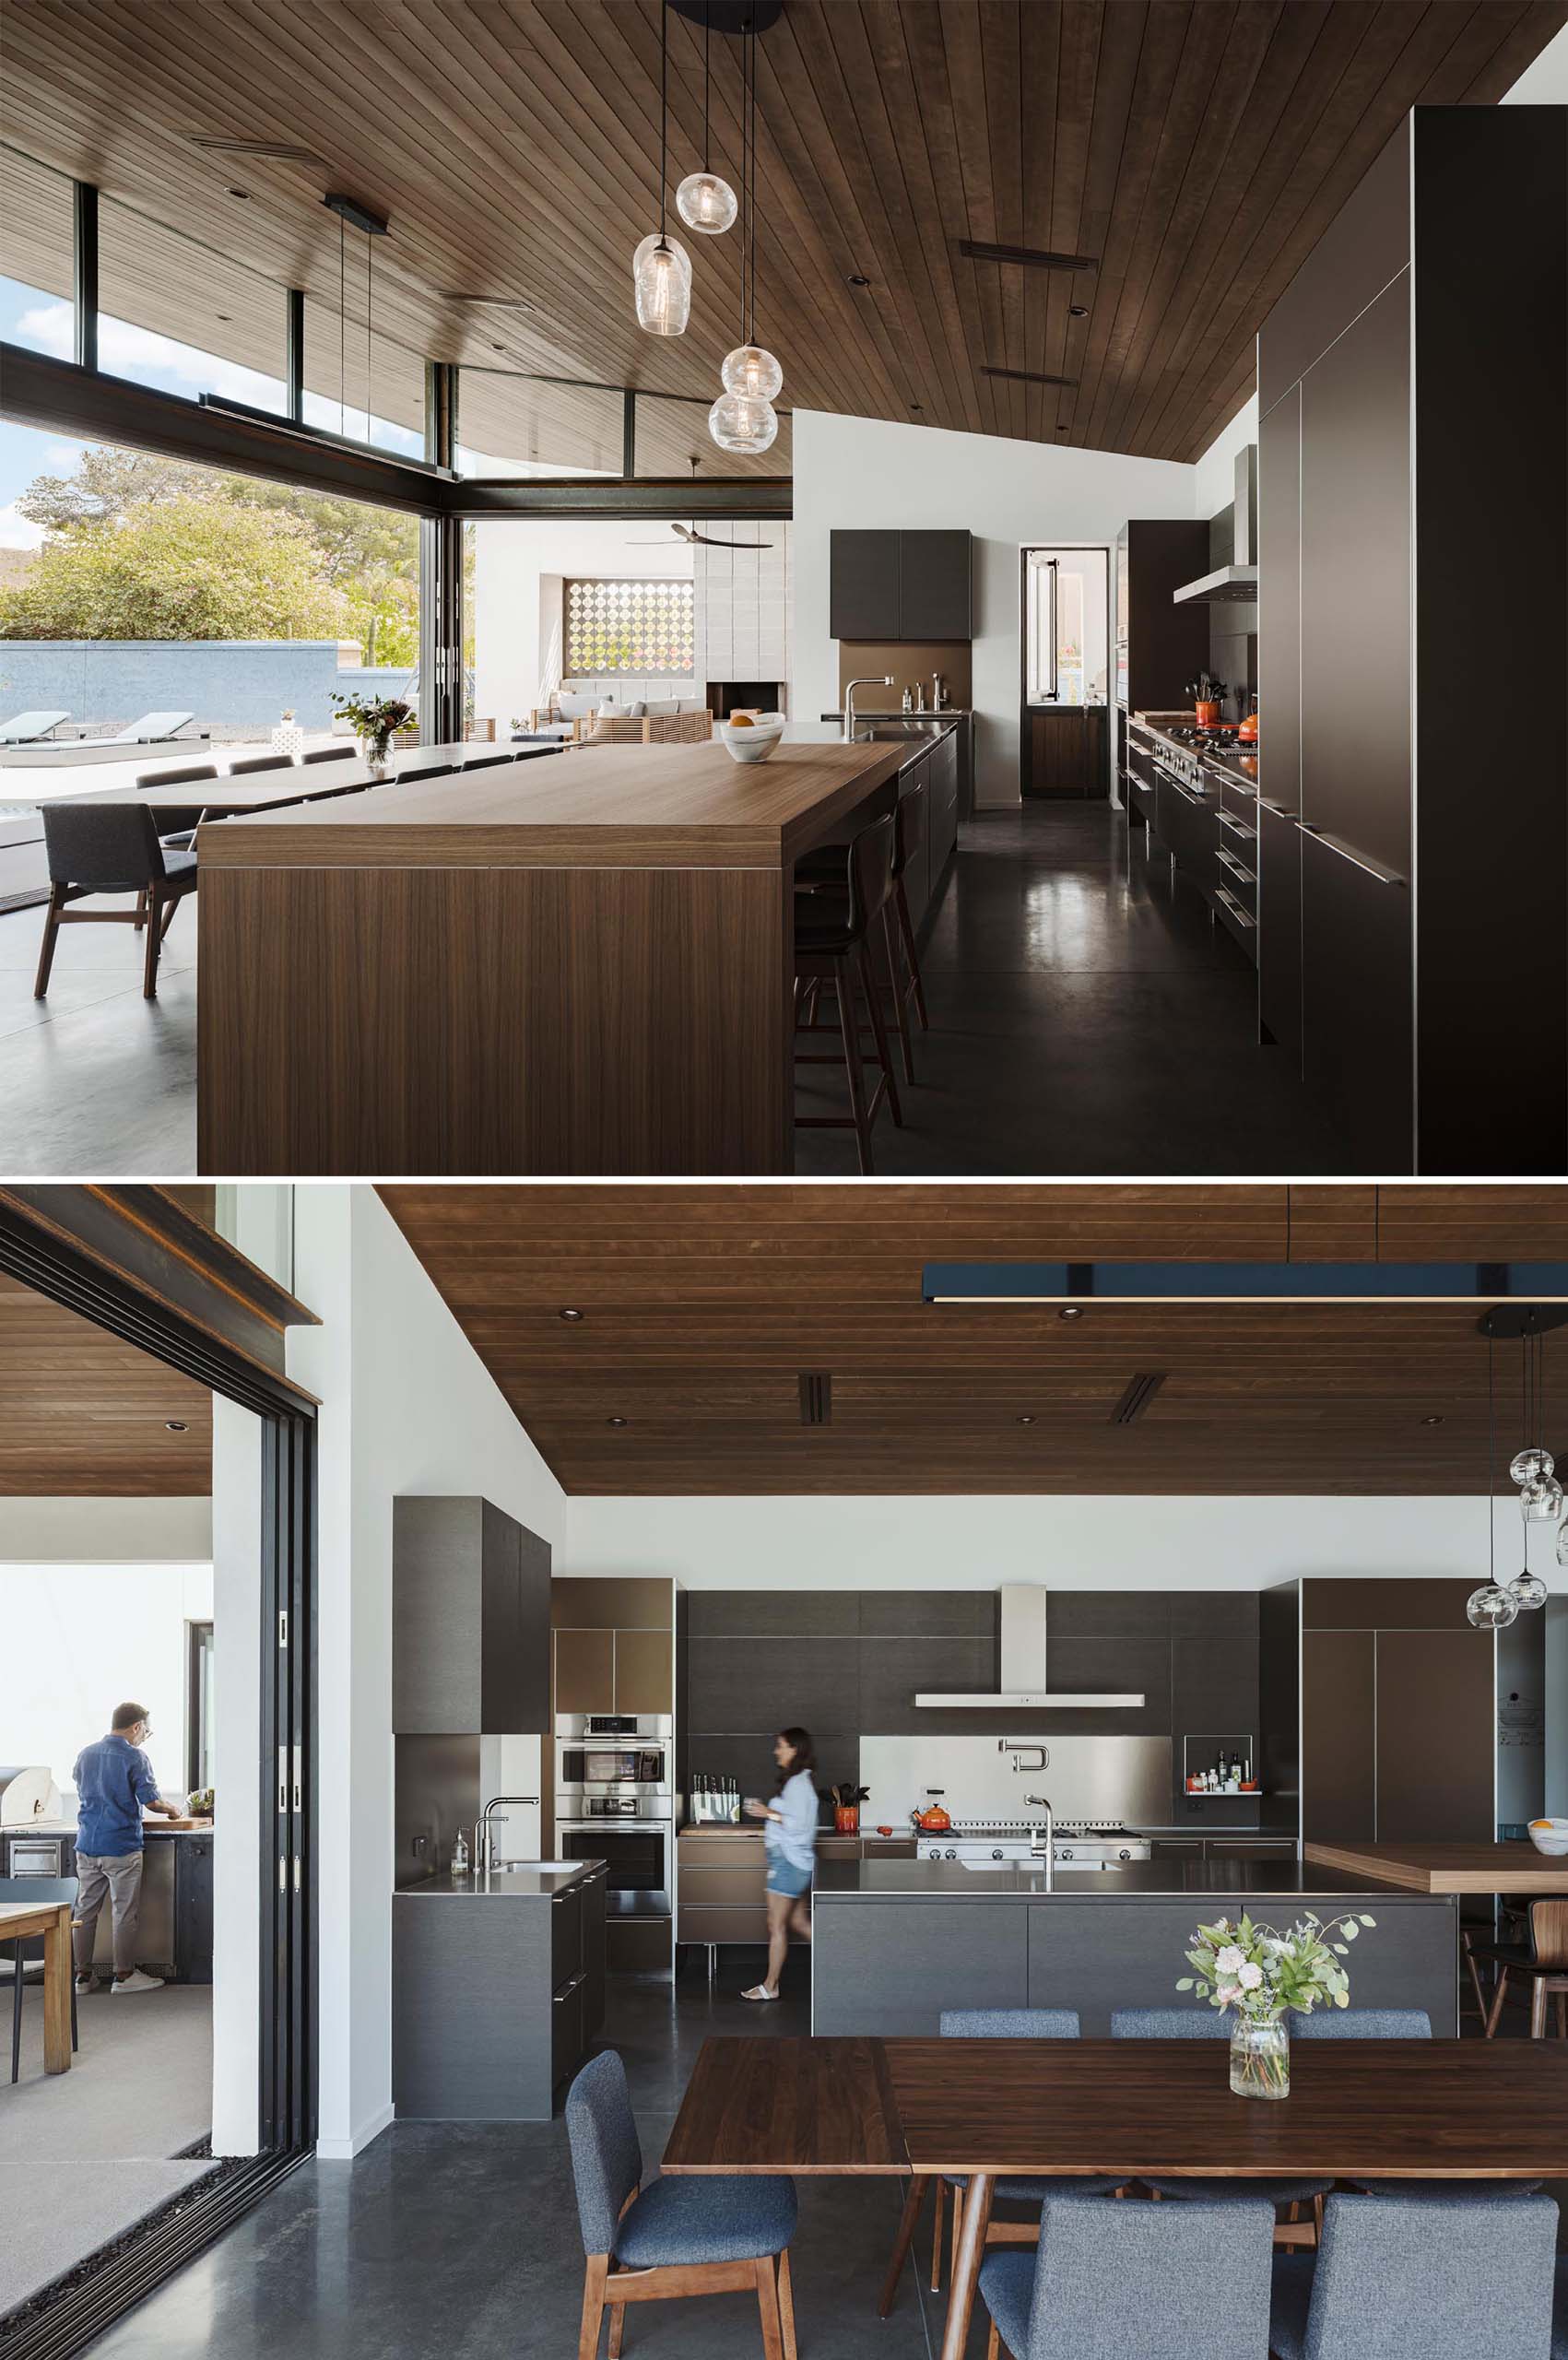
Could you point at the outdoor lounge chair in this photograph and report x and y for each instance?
(151, 725)
(25, 728)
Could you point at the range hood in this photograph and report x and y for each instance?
(1235, 584)
(1024, 1684)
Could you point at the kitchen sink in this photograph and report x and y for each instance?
(913, 726)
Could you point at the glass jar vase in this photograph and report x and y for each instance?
(1261, 2058)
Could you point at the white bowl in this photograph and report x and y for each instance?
(754, 743)
(1550, 1837)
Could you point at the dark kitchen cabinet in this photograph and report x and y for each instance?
(1436, 1736)
(935, 600)
(1338, 1736)
(192, 1908)
(470, 1649)
(1187, 829)
(944, 792)
(913, 585)
(1420, 579)
(1279, 751)
(584, 1671)
(591, 1903)
(914, 782)
(1160, 646)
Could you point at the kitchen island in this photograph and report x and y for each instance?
(498, 1990)
(894, 1942)
(586, 966)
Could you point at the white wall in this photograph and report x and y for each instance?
(1544, 84)
(406, 1407)
(105, 1532)
(1071, 1543)
(860, 472)
(90, 1638)
(518, 570)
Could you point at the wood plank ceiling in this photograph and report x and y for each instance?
(703, 1307)
(1196, 149)
(83, 1415)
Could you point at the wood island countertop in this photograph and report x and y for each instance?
(1447, 1868)
(607, 807)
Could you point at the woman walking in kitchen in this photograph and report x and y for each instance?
(789, 1837)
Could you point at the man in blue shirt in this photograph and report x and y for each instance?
(115, 1786)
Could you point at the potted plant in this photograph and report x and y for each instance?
(375, 721)
(1260, 1973)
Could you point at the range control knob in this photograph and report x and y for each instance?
(951, 1852)
(1124, 1854)
(995, 1851)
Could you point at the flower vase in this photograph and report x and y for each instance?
(375, 752)
(1261, 2058)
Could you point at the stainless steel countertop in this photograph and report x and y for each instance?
(503, 1885)
(1140, 1880)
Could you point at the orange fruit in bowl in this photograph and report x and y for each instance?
(741, 721)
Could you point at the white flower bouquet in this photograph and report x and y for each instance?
(1259, 1973)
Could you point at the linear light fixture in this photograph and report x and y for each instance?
(1033, 257)
(1138, 1397)
(1027, 376)
(816, 1400)
(1122, 1282)
(358, 216)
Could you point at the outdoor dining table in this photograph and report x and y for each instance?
(1414, 2109)
(21, 1920)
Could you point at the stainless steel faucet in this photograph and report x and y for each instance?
(1048, 1855)
(484, 1834)
(850, 687)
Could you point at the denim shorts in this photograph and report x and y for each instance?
(784, 1878)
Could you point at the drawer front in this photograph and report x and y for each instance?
(1187, 829)
(721, 1888)
(891, 1847)
(566, 1937)
(721, 1925)
(1229, 908)
(725, 1848)
(1143, 800)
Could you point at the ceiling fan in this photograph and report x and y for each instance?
(695, 539)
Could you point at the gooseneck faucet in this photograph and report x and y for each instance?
(484, 1847)
(1048, 1855)
(850, 687)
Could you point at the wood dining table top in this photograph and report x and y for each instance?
(1399, 2109)
(1448, 1868)
(293, 784)
(19, 1919)
(600, 806)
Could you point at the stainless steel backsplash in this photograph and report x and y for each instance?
(1125, 1778)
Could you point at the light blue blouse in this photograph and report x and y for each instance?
(794, 1834)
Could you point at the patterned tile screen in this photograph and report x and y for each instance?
(627, 627)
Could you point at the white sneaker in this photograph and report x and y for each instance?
(137, 1981)
(87, 1983)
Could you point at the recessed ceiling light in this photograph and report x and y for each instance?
(914, 405)
(1078, 310)
(1025, 1421)
(223, 315)
(568, 1314)
(242, 193)
(614, 1421)
(1431, 1422)
(857, 279)
(1070, 1310)
(176, 1425)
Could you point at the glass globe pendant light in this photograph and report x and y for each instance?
(661, 268)
(1531, 1466)
(1528, 1590)
(743, 418)
(1491, 1608)
(1541, 1502)
(705, 202)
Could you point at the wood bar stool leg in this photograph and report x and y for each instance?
(901, 1007)
(906, 935)
(1538, 2008)
(1498, 1997)
(878, 1030)
(1476, 1982)
(844, 993)
(913, 2201)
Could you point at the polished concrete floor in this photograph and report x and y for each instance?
(86, 2155)
(1085, 1017)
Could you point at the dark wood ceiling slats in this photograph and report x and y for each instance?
(1197, 147)
(83, 1414)
(704, 1304)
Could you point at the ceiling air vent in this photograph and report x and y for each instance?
(816, 1400)
(1137, 1398)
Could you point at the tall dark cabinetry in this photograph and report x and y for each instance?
(1413, 479)
(1160, 647)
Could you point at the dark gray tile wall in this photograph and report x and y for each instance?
(847, 1663)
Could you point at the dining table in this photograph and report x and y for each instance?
(238, 794)
(983, 2109)
(24, 1920)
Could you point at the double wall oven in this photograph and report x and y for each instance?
(615, 1801)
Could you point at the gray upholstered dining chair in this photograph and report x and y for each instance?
(1008, 2024)
(1446, 2278)
(1559, 2312)
(1210, 2024)
(676, 2237)
(102, 847)
(1161, 2282)
(249, 762)
(27, 1950)
(180, 839)
(1394, 2023)
(329, 754)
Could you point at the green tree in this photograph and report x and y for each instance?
(109, 483)
(178, 567)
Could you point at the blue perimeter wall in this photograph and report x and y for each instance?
(227, 683)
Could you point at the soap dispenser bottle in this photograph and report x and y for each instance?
(460, 1856)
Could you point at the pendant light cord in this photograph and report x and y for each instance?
(707, 83)
(663, 109)
(751, 209)
(1490, 1459)
(342, 331)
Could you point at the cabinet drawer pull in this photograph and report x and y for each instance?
(1277, 809)
(567, 1989)
(1228, 860)
(1357, 860)
(1242, 917)
(1237, 827)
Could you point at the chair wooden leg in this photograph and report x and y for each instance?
(169, 909)
(140, 918)
(1563, 2015)
(937, 2238)
(593, 2306)
(153, 942)
(786, 2306)
(616, 2324)
(913, 2201)
(878, 1030)
(1538, 2008)
(1498, 1997)
(957, 2239)
(857, 1071)
(1475, 1984)
(51, 936)
(906, 935)
(16, 2012)
(768, 2305)
(993, 2343)
(901, 1006)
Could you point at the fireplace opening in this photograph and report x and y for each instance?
(726, 697)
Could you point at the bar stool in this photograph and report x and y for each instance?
(824, 868)
(1544, 1966)
(830, 946)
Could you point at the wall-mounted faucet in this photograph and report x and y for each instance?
(1013, 1746)
(1048, 1854)
(850, 687)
